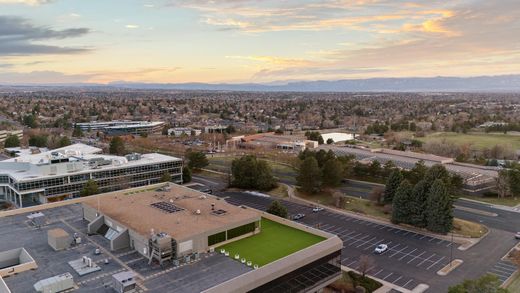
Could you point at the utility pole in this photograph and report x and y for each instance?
(451, 249)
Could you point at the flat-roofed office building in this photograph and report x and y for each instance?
(62, 173)
(122, 127)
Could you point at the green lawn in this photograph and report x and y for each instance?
(275, 241)
(479, 140)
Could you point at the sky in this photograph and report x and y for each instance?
(261, 41)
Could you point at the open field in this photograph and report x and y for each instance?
(282, 172)
(273, 242)
(514, 286)
(479, 140)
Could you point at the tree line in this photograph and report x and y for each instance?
(423, 200)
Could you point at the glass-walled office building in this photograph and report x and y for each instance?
(63, 173)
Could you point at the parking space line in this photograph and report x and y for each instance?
(498, 269)
(351, 263)
(406, 284)
(368, 241)
(388, 276)
(398, 231)
(419, 255)
(382, 227)
(395, 281)
(422, 237)
(407, 232)
(435, 263)
(360, 239)
(399, 251)
(424, 260)
(408, 254)
(375, 275)
(431, 239)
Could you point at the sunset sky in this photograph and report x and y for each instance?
(47, 41)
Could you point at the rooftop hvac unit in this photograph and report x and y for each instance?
(55, 284)
(124, 282)
(133, 157)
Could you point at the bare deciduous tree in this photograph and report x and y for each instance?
(365, 264)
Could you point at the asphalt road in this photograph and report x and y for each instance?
(505, 220)
(412, 258)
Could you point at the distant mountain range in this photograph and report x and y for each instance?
(499, 83)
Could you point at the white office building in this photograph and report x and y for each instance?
(62, 173)
(123, 127)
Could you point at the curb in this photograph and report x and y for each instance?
(462, 241)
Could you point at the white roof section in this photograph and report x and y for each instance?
(77, 159)
(136, 125)
(78, 149)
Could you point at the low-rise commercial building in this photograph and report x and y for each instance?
(4, 134)
(180, 131)
(195, 237)
(337, 136)
(62, 173)
(122, 127)
(271, 141)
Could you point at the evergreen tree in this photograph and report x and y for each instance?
(64, 141)
(166, 177)
(392, 183)
(437, 171)
(439, 208)
(186, 174)
(90, 188)
(400, 207)
(418, 172)
(309, 177)
(332, 173)
(248, 172)
(117, 146)
(77, 132)
(418, 204)
(12, 141)
(197, 160)
(276, 208)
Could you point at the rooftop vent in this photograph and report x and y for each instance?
(219, 212)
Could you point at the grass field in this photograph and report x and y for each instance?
(280, 171)
(479, 140)
(275, 241)
(514, 286)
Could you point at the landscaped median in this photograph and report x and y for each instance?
(274, 241)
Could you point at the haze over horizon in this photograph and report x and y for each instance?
(178, 41)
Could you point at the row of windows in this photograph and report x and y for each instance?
(39, 184)
(118, 183)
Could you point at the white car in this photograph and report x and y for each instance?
(517, 235)
(381, 248)
(317, 209)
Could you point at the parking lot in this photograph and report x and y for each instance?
(411, 259)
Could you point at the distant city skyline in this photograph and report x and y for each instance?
(246, 41)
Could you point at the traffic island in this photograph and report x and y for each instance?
(450, 267)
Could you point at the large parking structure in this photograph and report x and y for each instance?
(273, 242)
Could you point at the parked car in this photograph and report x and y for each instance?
(517, 235)
(298, 216)
(381, 248)
(317, 209)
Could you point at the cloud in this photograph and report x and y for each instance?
(131, 26)
(20, 37)
(26, 2)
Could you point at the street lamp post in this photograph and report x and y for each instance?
(451, 250)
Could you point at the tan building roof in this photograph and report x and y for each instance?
(146, 210)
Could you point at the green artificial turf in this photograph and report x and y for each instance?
(275, 241)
